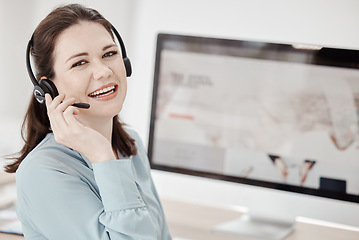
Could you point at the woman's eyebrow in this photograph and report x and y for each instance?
(86, 54)
(77, 55)
(109, 46)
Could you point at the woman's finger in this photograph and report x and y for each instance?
(70, 118)
(65, 104)
(48, 100)
(56, 108)
(50, 106)
(53, 103)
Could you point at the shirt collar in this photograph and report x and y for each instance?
(89, 164)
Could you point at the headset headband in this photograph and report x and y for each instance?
(28, 64)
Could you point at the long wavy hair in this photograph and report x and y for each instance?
(36, 124)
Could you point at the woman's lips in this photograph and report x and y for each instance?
(105, 93)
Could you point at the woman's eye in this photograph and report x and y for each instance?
(109, 54)
(79, 63)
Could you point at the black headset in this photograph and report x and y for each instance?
(47, 86)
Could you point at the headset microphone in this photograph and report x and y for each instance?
(81, 105)
(47, 86)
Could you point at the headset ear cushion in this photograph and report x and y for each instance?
(128, 67)
(48, 87)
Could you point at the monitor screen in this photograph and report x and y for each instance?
(280, 116)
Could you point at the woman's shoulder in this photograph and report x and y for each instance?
(48, 154)
(130, 131)
(47, 147)
(141, 155)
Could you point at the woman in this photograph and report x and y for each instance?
(81, 174)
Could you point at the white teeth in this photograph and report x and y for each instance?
(104, 90)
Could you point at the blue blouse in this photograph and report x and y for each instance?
(62, 195)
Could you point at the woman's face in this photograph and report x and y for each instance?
(88, 66)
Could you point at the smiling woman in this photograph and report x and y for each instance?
(82, 166)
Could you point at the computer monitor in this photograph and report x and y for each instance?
(269, 115)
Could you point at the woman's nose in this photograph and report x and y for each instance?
(100, 70)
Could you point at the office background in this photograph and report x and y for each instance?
(324, 22)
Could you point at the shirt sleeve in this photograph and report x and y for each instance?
(64, 206)
(122, 201)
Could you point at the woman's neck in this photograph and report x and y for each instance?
(103, 126)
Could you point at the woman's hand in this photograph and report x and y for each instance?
(70, 132)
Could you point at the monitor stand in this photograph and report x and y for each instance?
(257, 227)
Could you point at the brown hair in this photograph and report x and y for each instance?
(36, 123)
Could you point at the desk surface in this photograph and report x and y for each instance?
(195, 222)
(192, 221)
